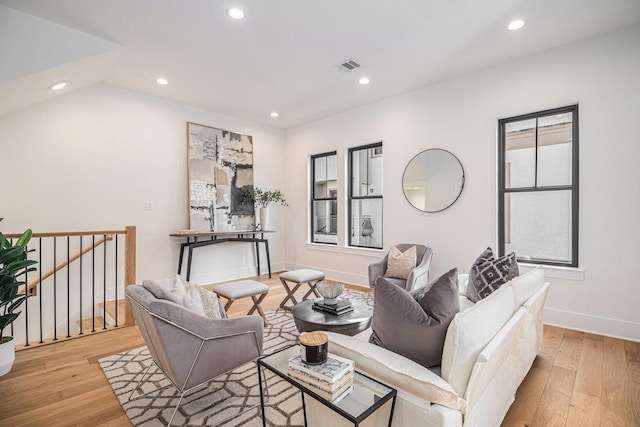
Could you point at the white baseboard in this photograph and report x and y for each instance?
(593, 324)
(238, 273)
(343, 276)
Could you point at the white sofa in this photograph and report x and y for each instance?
(489, 348)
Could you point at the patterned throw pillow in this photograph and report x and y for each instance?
(488, 273)
(400, 264)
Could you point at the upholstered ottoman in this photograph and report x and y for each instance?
(242, 289)
(292, 280)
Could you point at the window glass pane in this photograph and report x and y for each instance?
(366, 223)
(366, 172)
(520, 154)
(332, 176)
(538, 225)
(554, 149)
(325, 221)
(320, 177)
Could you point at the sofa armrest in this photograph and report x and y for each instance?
(414, 382)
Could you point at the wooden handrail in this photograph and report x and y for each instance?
(103, 236)
(71, 233)
(64, 264)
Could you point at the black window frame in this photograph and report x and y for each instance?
(318, 199)
(573, 187)
(351, 197)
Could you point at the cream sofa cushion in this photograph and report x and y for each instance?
(527, 284)
(470, 332)
(415, 383)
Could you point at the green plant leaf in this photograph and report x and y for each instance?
(24, 239)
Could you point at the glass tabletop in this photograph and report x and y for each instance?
(367, 394)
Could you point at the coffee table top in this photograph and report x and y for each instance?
(367, 395)
(307, 319)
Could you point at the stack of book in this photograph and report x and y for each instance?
(343, 306)
(332, 380)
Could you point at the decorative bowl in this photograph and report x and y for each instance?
(330, 290)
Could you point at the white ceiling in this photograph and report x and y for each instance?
(283, 56)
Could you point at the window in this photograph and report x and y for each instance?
(538, 187)
(365, 196)
(324, 198)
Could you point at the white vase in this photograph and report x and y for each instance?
(265, 219)
(7, 356)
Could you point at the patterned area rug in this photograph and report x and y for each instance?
(214, 403)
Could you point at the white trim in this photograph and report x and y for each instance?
(343, 276)
(554, 271)
(368, 252)
(207, 278)
(614, 328)
(322, 247)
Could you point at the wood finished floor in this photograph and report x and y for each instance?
(578, 379)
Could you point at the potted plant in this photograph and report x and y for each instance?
(262, 199)
(14, 265)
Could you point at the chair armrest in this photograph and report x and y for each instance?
(419, 276)
(376, 270)
(204, 327)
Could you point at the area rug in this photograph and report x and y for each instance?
(214, 403)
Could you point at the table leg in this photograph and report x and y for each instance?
(182, 247)
(264, 420)
(304, 408)
(189, 262)
(266, 245)
(258, 256)
(393, 404)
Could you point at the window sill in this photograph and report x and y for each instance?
(322, 247)
(373, 253)
(555, 272)
(351, 250)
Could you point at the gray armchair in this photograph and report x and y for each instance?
(418, 277)
(190, 349)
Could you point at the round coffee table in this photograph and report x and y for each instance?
(308, 319)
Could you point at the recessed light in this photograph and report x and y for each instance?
(162, 81)
(364, 80)
(236, 13)
(58, 85)
(515, 24)
(275, 114)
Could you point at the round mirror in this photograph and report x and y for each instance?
(433, 180)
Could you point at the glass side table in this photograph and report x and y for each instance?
(368, 395)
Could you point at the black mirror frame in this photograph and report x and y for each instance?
(461, 183)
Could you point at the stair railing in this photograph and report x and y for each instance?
(75, 293)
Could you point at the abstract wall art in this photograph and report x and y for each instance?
(220, 167)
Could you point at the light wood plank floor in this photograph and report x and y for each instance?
(578, 379)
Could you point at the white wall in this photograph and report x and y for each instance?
(88, 161)
(460, 115)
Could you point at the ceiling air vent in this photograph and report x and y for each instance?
(348, 65)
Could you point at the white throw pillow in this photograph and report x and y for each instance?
(527, 284)
(470, 332)
(463, 281)
(202, 301)
(400, 264)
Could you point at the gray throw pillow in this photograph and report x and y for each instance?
(488, 273)
(414, 324)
